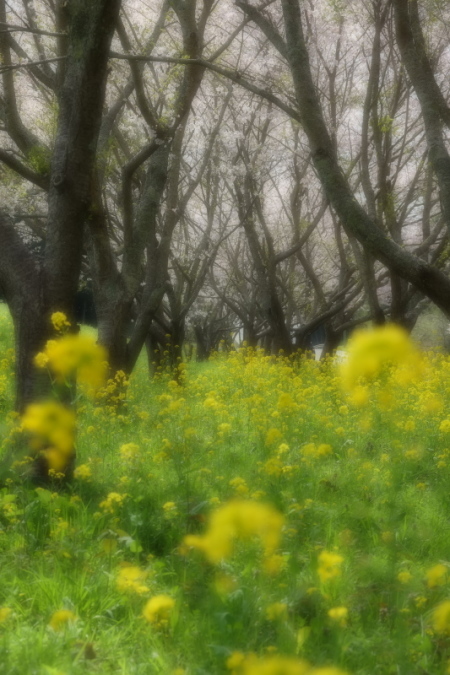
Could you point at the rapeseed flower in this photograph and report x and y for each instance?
(61, 618)
(50, 423)
(339, 615)
(51, 427)
(275, 611)
(371, 353)
(83, 471)
(241, 664)
(441, 617)
(437, 575)
(235, 520)
(5, 613)
(129, 451)
(329, 566)
(404, 577)
(59, 321)
(113, 501)
(158, 610)
(131, 578)
(75, 356)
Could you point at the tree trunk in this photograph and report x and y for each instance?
(177, 336)
(30, 334)
(32, 292)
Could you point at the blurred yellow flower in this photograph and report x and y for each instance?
(76, 356)
(275, 611)
(83, 471)
(250, 664)
(437, 575)
(404, 577)
(5, 613)
(272, 436)
(238, 520)
(339, 615)
(370, 353)
(130, 578)
(441, 617)
(52, 423)
(158, 609)
(129, 451)
(329, 565)
(61, 618)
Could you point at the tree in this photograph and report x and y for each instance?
(356, 221)
(34, 290)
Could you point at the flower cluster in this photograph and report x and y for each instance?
(51, 427)
(250, 664)
(244, 520)
(75, 356)
(372, 353)
(158, 609)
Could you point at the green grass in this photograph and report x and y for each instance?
(379, 498)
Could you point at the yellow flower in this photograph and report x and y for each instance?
(359, 396)
(83, 471)
(170, 509)
(316, 451)
(130, 578)
(277, 610)
(5, 613)
(113, 501)
(51, 424)
(273, 467)
(272, 436)
(61, 618)
(437, 575)
(77, 356)
(158, 609)
(286, 403)
(404, 577)
(59, 321)
(239, 485)
(339, 615)
(445, 426)
(129, 451)
(371, 353)
(235, 660)
(441, 617)
(41, 360)
(250, 664)
(238, 520)
(57, 460)
(329, 565)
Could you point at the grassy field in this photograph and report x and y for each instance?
(255, 519)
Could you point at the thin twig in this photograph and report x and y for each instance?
(23, 29)
(29, 64)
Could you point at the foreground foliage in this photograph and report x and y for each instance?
(257, 515)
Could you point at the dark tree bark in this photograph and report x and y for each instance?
(435, 111)
(34, 291)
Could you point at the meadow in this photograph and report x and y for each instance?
(254, 515)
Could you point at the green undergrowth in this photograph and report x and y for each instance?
(368, 486)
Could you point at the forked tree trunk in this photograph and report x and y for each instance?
(33, 291)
